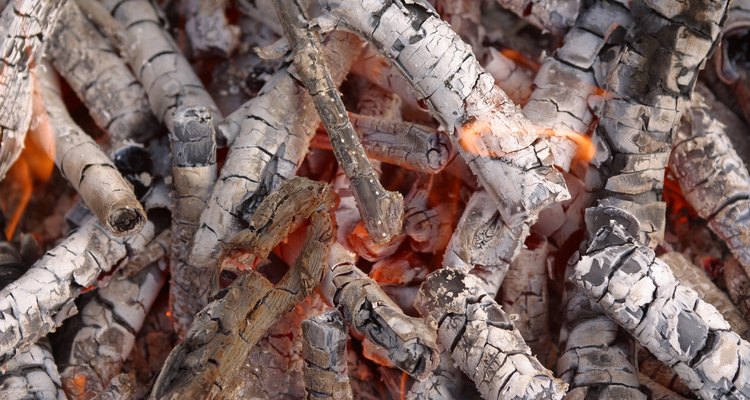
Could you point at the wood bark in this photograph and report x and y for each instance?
(503, 149)
(408, 342)
(324, 340)
(27, 24)
(482, 340)
(193, 176)
(224, 332)
(382, 210)
(40, 300)
(163, 71)
(101, 79)
(640, 293)
(82, 163)
(207, 28)
(104, 333)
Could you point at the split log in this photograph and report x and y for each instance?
(696, 278)
(26, 25)
(503, 149)
(640, 293)
(40, 300)
(101, 79)
(103, 334)
(324, 340)
(223, 333)
(382, 210)
(483, 244)
(408, 342)
(163, 71)
(82, 163)
(208, 29)
(738, 286)
(193, 176)
(712, 176)
(523, 294)
(31, 373)
(276, 128)
(482, 340)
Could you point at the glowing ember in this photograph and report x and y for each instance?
(520, 59)
(586, 149)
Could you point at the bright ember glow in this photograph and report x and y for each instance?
(586, 150)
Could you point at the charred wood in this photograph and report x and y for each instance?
(738, 286)
(208, 29)
(324, 340)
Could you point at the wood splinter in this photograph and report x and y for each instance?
(382, 211)
(225, 331)
(324, 340)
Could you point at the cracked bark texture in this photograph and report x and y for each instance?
(554, 16)
(103, 334)
(655, 391)
(207, 28)
(101, 79)
(650, 80)
(524, 295)
(32, 373)
(324, 340)
(225, 331)
(408, 342)
(26, 24)
(163, 71)
(155, 250)
(640, 293)
(566, 88)
(446, 382)
(271, 136)
(483, 244)
(382, 210)
(429, 226)
(712, 176)
(91, 172)
(193, 176)
(514, 80)
(738, 286)
(40, 300)
(122, 387)
(697, 279)
(505, 151)
(482, 340)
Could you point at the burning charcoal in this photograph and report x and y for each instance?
(103, 334)
(482, 340)
(738, 286)
(554, 16)
(524, 295)
(208, 29)
(41, 299)
(31, 373)
(483, 244)
(505, 151)
(83, 164)
(276, 129)
(732, 60)
(114, 97)
(696, 278)
(163, 71)
(712, 176)
(224, 332)
(409, 343)
(382, 211)
(640, 293)
(25, 26)
(655, 391)
(566, 86)
(324, 349)
(193, 176)
(446, 382)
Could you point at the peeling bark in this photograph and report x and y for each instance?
(40, 300)
(26, 25)
(324, 340)
(82, 163)
(408, 341)
(225, 331)
(208, 29)
(640, 293)
(482, 340)
(193, 174)
(163, 71)
(101, 79)
(503, 149)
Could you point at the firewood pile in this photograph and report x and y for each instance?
(374, 199)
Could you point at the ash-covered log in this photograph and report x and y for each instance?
(732, 63)
(482, 340)
(208, 29)
(554, 16)
(324, 340)
(446, 382)
(640, 293)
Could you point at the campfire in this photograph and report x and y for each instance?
(373, 199)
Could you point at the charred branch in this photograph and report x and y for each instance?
(446, 382)
(324, 340)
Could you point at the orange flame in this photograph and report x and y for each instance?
(586, 149)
